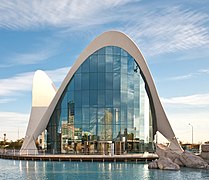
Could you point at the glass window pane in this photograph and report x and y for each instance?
(85, 66)
(123, 53)
(124, 62)
(101, 115)
(93, 81)
(130, 65)
(77, 98)
(130, 117)
(116, 80)
(64, 102)
(71, 112)
(63, 116)
(71, 85)
(77, 81)
(116, 63)
(109, 50)
(101, 132)
(78, 70)
(109, 98)
(109, 63)
(101, 63)
(85, 113)
(130, 100)
(116, 99)
(102, 50)
(109, 80)
(124, 82)
(85, 81)
(85, 127)
(93, 63)
(70, 96)
(93, 115)
(116, 115)
(101, 98)
(116, 50)
(108, 116)
(85, 98)
(101, 80)
(93, 98)
(78, 116)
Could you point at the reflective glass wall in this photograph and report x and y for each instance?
(103, 109)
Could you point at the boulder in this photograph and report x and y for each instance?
(153, 165)
(167, 164)
(191, 160)
(170, 159)
(178, 161)
(204, 155)
(164, 151)
(205, 147)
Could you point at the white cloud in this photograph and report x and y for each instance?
(6, 100)
(184, 77)
(204, 71)
(197, 100)
(23, 82)
(58, 75)
(16, 84)
(199, 72)
(31, 58)
(164, 29)
(169, 29)
(65, 13)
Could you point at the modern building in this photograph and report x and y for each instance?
(107, 103)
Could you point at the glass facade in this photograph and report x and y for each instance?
(104, 108)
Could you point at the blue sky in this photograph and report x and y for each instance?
(49, 35)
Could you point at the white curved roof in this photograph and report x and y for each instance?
(115, 38)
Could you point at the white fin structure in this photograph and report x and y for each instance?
(43, 92)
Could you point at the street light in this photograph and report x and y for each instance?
(192, 132)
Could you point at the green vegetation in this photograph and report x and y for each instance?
(11, 145)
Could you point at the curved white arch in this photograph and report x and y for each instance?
(115, 38)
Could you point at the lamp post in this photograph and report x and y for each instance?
(192, 132)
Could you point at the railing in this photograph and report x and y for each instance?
(35, 152)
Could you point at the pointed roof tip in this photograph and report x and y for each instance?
(41, 74)
(43, 86)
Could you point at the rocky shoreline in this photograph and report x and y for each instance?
(172, 160)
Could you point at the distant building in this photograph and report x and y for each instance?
(107, 102)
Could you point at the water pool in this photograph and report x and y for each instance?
(14, 169)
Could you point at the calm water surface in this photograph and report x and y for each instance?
(12, 169)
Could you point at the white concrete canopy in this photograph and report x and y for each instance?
(114, 38)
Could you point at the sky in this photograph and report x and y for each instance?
(49, 35)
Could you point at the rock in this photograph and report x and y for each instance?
(153, 165)
(204, 155)
(205, 147)
(193, 161)
(178, 161)
(167, 164)
(164, 151)
(185, 158)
